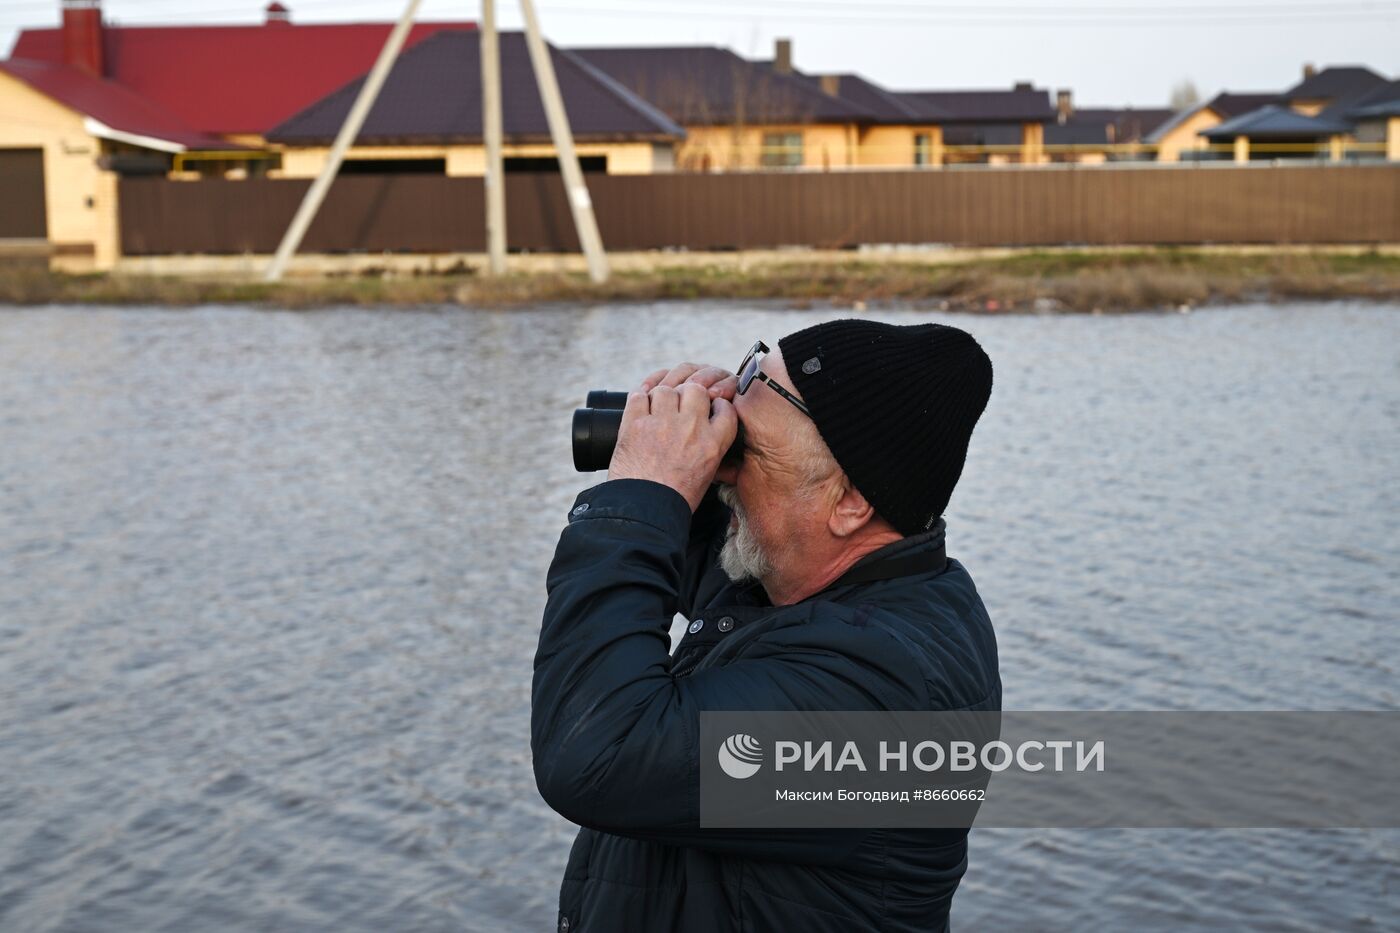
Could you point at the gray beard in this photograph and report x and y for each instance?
(742, 558)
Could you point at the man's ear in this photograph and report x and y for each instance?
(851, 512)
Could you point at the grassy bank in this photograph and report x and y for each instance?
(1028, 281)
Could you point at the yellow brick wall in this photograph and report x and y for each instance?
(467, 161)
(734, 148)
(1032, 144)
(80, 198)
(826, 146)
(1185, 136)
(893, 146)
(252, 140)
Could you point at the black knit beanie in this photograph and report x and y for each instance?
(896, 405)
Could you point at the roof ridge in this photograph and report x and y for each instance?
(616, 88)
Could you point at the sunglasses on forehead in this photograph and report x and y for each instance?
(749, 371)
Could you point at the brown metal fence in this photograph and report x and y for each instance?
(1096, 206)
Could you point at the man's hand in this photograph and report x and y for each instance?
(720, 383)
(676, 428)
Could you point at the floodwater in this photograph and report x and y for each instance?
(270, 586)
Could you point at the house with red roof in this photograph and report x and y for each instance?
(86, 101)
(230, 82)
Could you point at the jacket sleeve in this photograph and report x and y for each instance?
(700, 574)
(615, 736)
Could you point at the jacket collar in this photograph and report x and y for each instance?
(915, 554)
(924, 540)
(893, 556)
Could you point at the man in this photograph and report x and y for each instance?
(814, 577)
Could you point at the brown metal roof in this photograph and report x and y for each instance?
(1130, 124)
(708, 86)
(884, 104)
(1229, 104)
(1382, 101)
(433, 95)
(1276, 122)
(1334, 82)
(1020, 104)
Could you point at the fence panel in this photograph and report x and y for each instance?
(1101, 205)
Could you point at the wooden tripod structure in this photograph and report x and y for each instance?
(580, 204)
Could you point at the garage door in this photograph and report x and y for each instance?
(22, 194)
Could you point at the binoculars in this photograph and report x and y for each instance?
(595, 431)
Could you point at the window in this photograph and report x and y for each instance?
(533, 165)
(394, 167)
(781, 150)
(923, 149)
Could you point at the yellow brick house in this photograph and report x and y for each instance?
(65, 137)
(738, 114)
(414, 127)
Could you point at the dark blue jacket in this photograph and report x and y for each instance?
(615, 722)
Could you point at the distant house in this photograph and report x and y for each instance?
(915, 128)
(1277, 131)
(991, 126)
(739, 114)
(896, 133)
(1332, 90)
(232, 82)
(85, 102)
(1092, 135)
(1310, 119)
(1376, 118)
(64, 136)
(1179, 137)
(415, 126)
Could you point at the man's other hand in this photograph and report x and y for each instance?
(676, 428)
(720, 383)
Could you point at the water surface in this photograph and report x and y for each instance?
(270, 585)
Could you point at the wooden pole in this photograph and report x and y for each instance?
(579, 202)
(491, 130)
(311, 203)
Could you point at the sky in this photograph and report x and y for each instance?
(1109, 52)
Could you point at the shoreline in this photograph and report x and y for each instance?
(1064, 280)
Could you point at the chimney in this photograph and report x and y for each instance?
(82, 36)
(831, 85)
(1022, 86)
(1309, 70)
(277, 13)
(782, 56)
(1064, 106)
